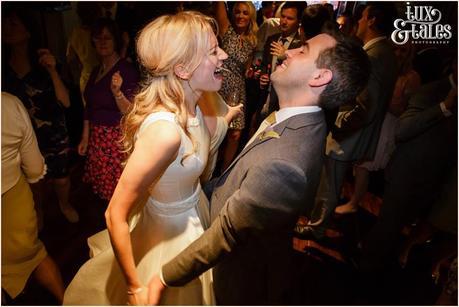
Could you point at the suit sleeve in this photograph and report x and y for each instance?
(351, 117)
(419, 116)
(269, 199)
(261, 36)
(267, 52)
(360, 113)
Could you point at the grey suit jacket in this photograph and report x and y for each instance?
(360, 125)
(254, 207)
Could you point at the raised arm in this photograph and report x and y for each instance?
(213, 106)
(123, 86)
(48, 61)
(221, 16)
(155, 149)
(122, 101)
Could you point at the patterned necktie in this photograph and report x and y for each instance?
(271, 119)
(268, 122)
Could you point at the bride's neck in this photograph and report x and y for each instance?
(191, 98)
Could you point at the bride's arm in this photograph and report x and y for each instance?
(154, 151)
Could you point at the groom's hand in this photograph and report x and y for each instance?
(155, 288)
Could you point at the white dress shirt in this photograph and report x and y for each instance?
(282, 115)
(373, 41)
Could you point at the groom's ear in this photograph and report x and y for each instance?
(182, 72)
(321, 77)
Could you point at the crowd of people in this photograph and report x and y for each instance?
(208, 132)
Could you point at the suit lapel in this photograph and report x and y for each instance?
(293, 122)
(255, 142)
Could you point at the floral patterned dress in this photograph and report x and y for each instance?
(239, 53)
(36, 92)
(104, 156)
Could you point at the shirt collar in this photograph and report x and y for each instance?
(373, 41)
(286, 113)
(289, 38)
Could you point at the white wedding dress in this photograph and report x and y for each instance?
(165, 225)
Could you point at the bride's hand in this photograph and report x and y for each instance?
(138, 296)
(233, 111)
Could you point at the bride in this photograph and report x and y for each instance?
(154, 212)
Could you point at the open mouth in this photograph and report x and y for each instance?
(218, 73)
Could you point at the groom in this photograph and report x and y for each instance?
(257, 200)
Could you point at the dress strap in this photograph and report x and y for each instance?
(154, 117)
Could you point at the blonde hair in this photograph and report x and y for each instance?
(251, 33)
(168, 41)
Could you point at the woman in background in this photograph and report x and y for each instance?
(31, 74)
(108, 95)
(23, 254)
(239, 41)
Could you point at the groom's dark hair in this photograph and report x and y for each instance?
(350, 66)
